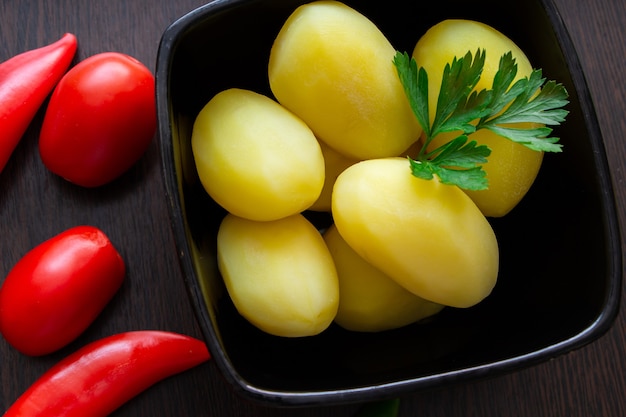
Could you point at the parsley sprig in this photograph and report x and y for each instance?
(461, 108)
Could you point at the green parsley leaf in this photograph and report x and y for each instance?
(460, 108)
(457, 161)
(415, 85)
(460, 153)
(455, 107)
(527, 102)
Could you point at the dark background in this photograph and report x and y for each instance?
(35, 205)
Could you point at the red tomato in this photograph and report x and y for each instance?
(100, 119)
(58, 289)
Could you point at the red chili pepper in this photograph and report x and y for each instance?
(99, 378)
(25, 82)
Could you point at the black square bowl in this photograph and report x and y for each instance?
(560, 274)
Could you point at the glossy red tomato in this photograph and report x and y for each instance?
(100, 119)
(58, 288)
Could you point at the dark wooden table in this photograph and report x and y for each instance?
(35, 205)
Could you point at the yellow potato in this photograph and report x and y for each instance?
(428, 237)
(335, 163)
(370, 301)
(279, 274)
(512, 168)
(333, 67)
(255, 158)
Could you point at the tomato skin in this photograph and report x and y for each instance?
(55, 291)
(100, 120)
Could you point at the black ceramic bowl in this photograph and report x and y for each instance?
(560, 275)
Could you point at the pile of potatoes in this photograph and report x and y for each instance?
(334, 138)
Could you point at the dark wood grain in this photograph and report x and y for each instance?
(35, 205)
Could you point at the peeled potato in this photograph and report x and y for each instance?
(255, 158)
(333, 67)
(334, 164)
(512, 168)
(279, 274)
(427, 236)
(511, 171)
(370, 301)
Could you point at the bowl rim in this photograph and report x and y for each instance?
(169, 41)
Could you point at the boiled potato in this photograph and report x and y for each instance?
(428, 237)
(333, 67)
(279, 274)
(334, 164)
(370, 301)
(511, 171)
(255, 158)
(512, 168)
